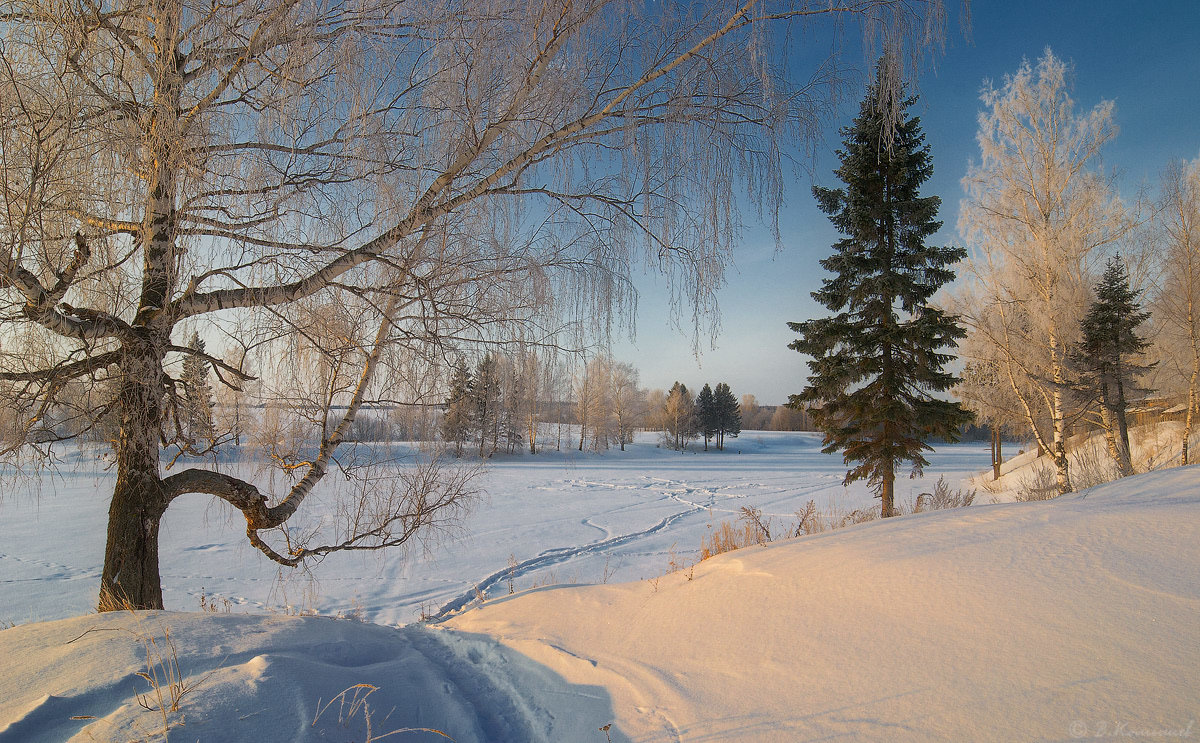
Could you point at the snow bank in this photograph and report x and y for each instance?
(1039, 621)
(1153, 446)
(271, 679)
(1068, 619)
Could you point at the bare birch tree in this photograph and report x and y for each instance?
(1038, 217)
(593, 403)
(628, 400)
(441, 171)
(1177, 307)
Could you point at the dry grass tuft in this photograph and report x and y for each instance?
(352, 702)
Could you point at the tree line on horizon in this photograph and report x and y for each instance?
(494, 407)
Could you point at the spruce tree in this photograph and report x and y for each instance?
(487, 397)
(729, 414)
(878, 361)
(1105, 355)
(457, 421)
(706, 414)
(197, 394)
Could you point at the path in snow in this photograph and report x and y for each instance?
(558, 556)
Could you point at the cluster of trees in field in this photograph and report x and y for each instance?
(506, 404)
(711, 415)
(1077, 304)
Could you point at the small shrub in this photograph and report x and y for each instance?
(943, 497)
(1041, 484)
(167, 681)
(212, 604)
(857, 516)
(608, 571)
(753, 517)
(810, 521)
(352, 703)
(727, 537)
(1092, 465)
(512, 574)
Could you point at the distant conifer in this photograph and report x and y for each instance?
(1106, 355)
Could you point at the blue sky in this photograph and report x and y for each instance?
(1145, 56)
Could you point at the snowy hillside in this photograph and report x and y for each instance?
(1061, 620)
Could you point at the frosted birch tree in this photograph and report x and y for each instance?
(1177, 308)
(627, 399)
(440, 172)
(1038, 216)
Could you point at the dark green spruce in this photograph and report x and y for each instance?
(1107, 354)
(707, 415)
(729, 414)
(878, 361)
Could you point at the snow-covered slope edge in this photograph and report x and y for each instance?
(1058, 620)
(271, 679)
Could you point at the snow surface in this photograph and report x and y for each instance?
(1067, 619)
(561, 517)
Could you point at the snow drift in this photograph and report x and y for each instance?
(1061, 620)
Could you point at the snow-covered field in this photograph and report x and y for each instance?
(1070, 619)
(561, 517)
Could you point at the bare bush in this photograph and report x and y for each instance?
(751, 516)
(1091, 465)
(1040, 484)
(942, 497)
(809, 520)
(727, 537)
(857, 516)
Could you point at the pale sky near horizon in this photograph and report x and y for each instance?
(1145, 56)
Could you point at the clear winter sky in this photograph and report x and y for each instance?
(1142, 54)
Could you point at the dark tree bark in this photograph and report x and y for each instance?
(130, 576)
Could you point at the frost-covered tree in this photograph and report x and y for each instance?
(1107, 355)
(586, 389)
(600, 414)
(1038, 215)
(1177, 306)
(754, 416)
(528, 376)
(679, 418)
(628, 401)
(878, 363)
